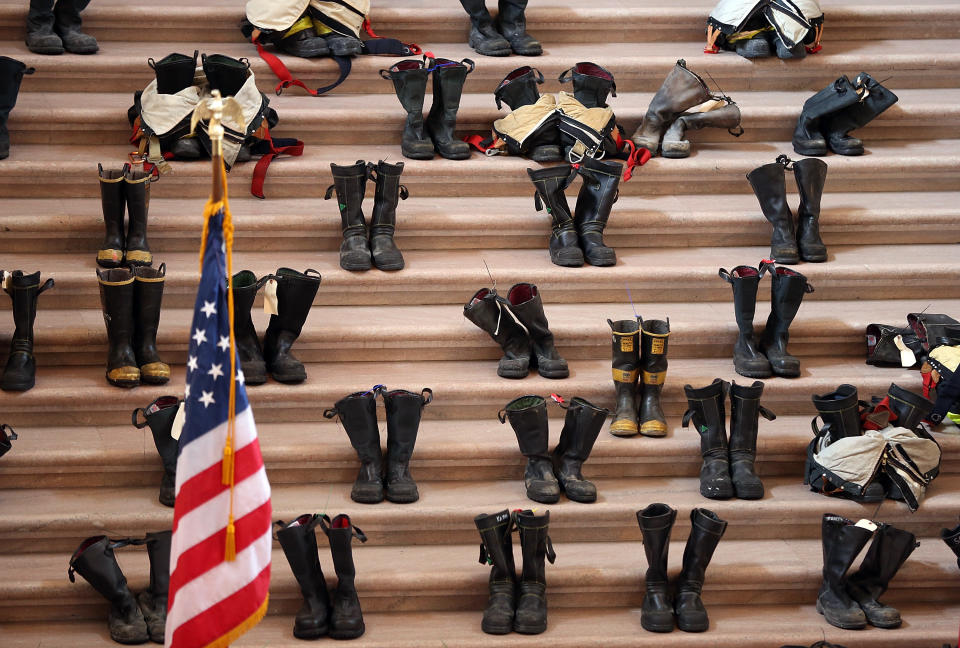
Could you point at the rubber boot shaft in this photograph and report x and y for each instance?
(581, 427)
(67, 24)
(682, 89)
(383, 222)
(706, 529)
(745, 412)
(410, 83)
(448, 79)
(807, 137)
(626, 370)
(137, 191)
(787, 288)
(837, 125)
(298, 539)
(810, 174)
(889, 550)
(536, 549)
(911, 409)
(225, 74)
(512, 23)
(245, 288)
(174, 72)
(550, 183)
(490, 315)
(519, 88)
(496, 549)
(528, 418)
(600, 190)
(747, 359)
(707, 413)
(525, 303)
(675, 146)
(840, 412)
(350, 183)
(656, 611)
(159, 415)
(20, 370)
(153, 600)
(842, 542)
(346, 619)
(484, 37)
(114, 202)
(591, 84)
(116, 300)
(147, 298)
(770, 187)
(358, 414)
(404, 409)
(654, 335)
(295, 294)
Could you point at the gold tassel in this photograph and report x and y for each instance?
(230, 552)
(226, 465)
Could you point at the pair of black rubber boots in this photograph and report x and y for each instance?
(548, 474)
(132, 620)
(661, 611)
(321, 614)
(363, 247)
(295, 292)
(20, 370)
(519, 325)
(54, 26)
(515, 604)
(159, 415)
(505, 34)
(767, 356)
(358, 414)
(828, 116)
(124, 191)
(578, 237)
(728, 464)
(852, 601)
(639, 349)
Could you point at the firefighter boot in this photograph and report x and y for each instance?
(626, 369)
(653, 372)
(528, 418)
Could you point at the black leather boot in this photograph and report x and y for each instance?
(910, 409)
(536, 549)
(174, 72)
(654, 335)
(626, 370)
(836, 126)
(526, 305)
(137, 191)
(153, 600)
(706, 529)
(441, 124)
(591, 84)
(114, 202)
(747, 359)
(484, 37)
(889, 550)
(840, 412)
(295, 293)
(681, 89)
(299, 542)
(301, 40)
(147, 297)
(403, 422)
(518, 89)
(486, 311)
(41, 39)
(745, 412)
(807, 137)
(707, 412)
(67, 24)
(346, 618)
(598, 192)
(358, 414)
(512, 23)
(20, 372)
(673, 144)
(116, 299)
(952, 539)
(11, 74)
(656, 611)
(225, 73)
(350, 183)
(842, 542)
(581, 427)
(550, 183)
(770, 188)
(95, 562)
(787, 289)
(410, 83)
(496, 549)
(528, 418)
(245, 287)
(810, 175)
(383, 222)
(159, 415)
(6, 436)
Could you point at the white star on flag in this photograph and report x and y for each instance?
(224, 343)
(216, 371)
(186, 392)
(199, 336)
(240, 378)
(192, 363)
(209, 308)
(207, 398)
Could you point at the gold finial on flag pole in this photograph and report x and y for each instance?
(213, 109)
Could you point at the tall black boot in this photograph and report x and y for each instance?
(137, 192)
(486, 311)
(147, 297)
(403, 422)
(654, 335)
(890, 549)
(441, 124)
(706, 529)
(496, 549)
(174, 72)
(350, 183)
(11, 74)
(840, 412)
(295, 293)
(787, 289)
(748, 360)
(20, 372)
(41, 39)
(581, 427)
(383, 222)
(518, 89)
(225, 73)
(745, 412)
(410, 83)
(591, 84)
(673, 144)
(67, 24)
(911, 409)
(837, 125)
(159, 415)
(599, 191)
(358, 414)
(810, 175)
(245, 287)
(842, 542)
(770, 187)
(536, 548)
(95, 562)
(528, 418)
(807, 137)
(550, 183)
(113, 200)
(116, 299)
(6, 436)
(346, 617)
(681, 89)
(153, 600)
(525, 303)
(656, 611)
(707, 412)
(299, 542)
(512, 23)
(626, 370)
(484, 37)
(952, 539)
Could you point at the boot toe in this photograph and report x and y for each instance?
(882, 616)
(544, 492)
(748, 490)
(569, 257)
(785, 254)
(167, 496)
(389, 261)
(129, 631)
(843, 618)
(813, 253)
(109, 258)
(254, 372)
(785, 367)
(138, 257)
(648, 143)
(624, 428)
(155, 373)
(513, 368)
(355, 260)
(454, 150)
(402, 492)
(601, 257)
(676, 150)
(489, 44)
(285, 373)
(417, 149)
(653, 429)
(580, 491)
(693, 621)
(657, 620)
(753, 367)
(814, 147)
(44, 44)
(367, 493)
(553, 368)
(846, 146)
(79, 43)
(124, 376)
(716, 489)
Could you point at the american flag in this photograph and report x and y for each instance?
(221, 548)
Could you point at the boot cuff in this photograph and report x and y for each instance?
(527, 519)
(716, 389)
(348, 171)
(521, 404)
(624, 327)
(841, 399)
(656, 516)
(753, 392)
(708, 521)
(917, 401)
(115, 277)
(655, 328)
(521, 293)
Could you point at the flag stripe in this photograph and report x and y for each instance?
(228, 614)
(209, 483)
(207, 451)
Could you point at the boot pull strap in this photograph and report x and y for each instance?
(358, 533)
(784, 160)
(766, 265)
(428, 398)
(386, 75)
(819, 431)
(807, 287)
(687, 416)
(404, 194)
(725, 275)
(330, 412)
(5, 428)
(329, 192)
(574, 169)
(162, 270)
(610, 322)
(134, 418)
(502, 415)
(308, 271)
(470, 63)
(427, 61)
(123, 542)
(551, 554)
(737, 131)
(262, 280)
(536, 201)
(324, 521)
(372, 171)
(46, 285)
(589, 177)
(767, 414)
(376, 390)
(563, 78)
(153, 66)
(484, 557)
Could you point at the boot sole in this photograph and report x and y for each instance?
(314, 633)
(355, 267)
(491, 52)
(581, 500)
(288, 380)
(417, 155)
(389, 267)
(748, 495)
(456, 156)
(24, 386)
(554, 375)
(815, 152)
(545, 499)
(885, 626)
(653, 627)
(162, 380)
(693, 627)
(353, 634)
(574, 262)
(366, 500)
(496, 629)
(753, 373)
(530, 629)
(837, 624)
(54, 51)
(601, 262)
(617, 428)
(513, 376)
(402, 499)
(675, 155)
(789, 373)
